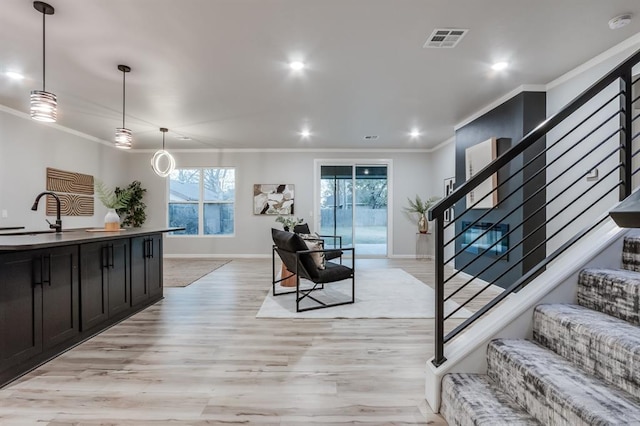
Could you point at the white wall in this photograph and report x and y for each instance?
(411, 175)
(27, 148)
(559, 95)
(442, 165)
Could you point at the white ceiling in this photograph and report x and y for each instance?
(216, 70)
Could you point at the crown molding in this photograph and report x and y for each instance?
(500, 101)
(597, 60)
(56, 126)
(286, 150)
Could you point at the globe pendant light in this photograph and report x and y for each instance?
(43, 104)
(163, 156)
(123, 135)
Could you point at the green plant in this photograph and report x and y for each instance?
(111, 199)
(289, 222)
(419, 206)
(133, 211)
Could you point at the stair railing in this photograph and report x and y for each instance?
(590, 139)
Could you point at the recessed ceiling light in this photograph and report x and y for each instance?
(305, 133)
(499, 66)
(620, 21)
(296, 65)
(14, 75)
(414, 133)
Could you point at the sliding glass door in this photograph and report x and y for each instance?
(353, 204)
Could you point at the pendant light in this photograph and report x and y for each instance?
(123, 135)
(158, 157)
(43, 104)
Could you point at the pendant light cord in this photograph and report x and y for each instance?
(43, 54)
(124, 74)
(163, 140)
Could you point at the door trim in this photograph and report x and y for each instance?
(355, 162)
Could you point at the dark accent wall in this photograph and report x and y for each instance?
(508, 122)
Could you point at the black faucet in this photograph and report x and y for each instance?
(58, 225)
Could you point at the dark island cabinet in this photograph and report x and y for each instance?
(146, 269)
(104, 281)
(38, 302)
(60, 289)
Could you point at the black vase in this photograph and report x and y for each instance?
(286, 228)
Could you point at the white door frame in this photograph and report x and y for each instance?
(355, 162)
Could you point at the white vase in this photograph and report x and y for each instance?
(112, 220)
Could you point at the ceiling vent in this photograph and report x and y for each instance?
(370, 137)
(445, 38)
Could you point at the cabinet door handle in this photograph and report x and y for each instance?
(46, 268)
(111, 255)
(151, 245)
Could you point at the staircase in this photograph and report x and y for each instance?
(581, 368)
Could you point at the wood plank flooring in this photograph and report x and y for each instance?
(201, 357)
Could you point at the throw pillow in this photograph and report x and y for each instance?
(318, 258)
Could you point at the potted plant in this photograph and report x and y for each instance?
(288, 222)
(421, 207)
(133, 213)
(111, 201)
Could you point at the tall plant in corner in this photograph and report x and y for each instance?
(133, 212)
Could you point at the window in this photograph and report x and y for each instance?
(202, 201)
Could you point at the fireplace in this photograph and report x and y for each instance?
(495, 233)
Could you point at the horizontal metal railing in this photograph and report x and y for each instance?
(591, 137)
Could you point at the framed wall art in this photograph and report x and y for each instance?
(478, 157)
(273, 199)
(449, 184)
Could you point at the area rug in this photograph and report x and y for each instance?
(380, 293)
(182, 272)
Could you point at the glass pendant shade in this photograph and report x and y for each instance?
(162, 161)
(123, 135)
(123, 138)
(44, 106)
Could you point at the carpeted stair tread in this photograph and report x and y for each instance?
(555, 391)
(597, 343)
(631, 254)
(474, 399)
(611, 291)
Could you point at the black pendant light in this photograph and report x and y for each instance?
(44, 105)
(123, 135)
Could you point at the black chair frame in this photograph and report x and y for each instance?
(298, 270)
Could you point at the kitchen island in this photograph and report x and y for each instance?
(59, 289)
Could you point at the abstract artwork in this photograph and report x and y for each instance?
(448, 189)
(75, 191)
(477, 157)
(274, 199)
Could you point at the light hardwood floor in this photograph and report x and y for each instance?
(201, 357)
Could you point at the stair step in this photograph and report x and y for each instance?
(631, 252)
(555, 391)
(599, 344)
(614, 292)
(474, 399)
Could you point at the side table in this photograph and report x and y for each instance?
(289, 282)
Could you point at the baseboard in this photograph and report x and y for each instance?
(410, 256)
